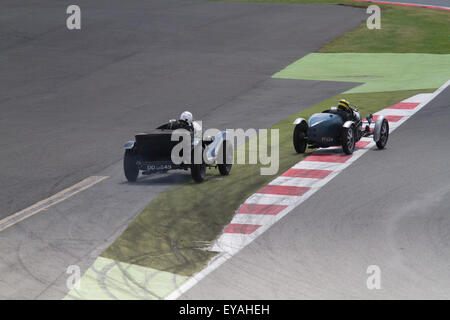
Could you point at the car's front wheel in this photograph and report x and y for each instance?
(299, 138)
(348, 140)
(130, 167)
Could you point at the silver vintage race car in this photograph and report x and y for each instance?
(151, 152)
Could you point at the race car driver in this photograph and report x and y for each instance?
(187, 118)
(185, 121)
(352, 113)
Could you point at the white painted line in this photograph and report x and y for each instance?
(228, 244)
(258, 219)
(296, 182)
(271, 199)
(421, 97)
(49, 202)
(332, 166)
(396, 112)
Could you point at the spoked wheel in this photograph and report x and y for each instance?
(348, 140)
(299, 138)
(384, 134)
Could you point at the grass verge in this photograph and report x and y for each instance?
(380, 72)
(171, 232)
(403, 29)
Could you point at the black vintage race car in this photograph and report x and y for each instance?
(151, 152)
(334, 127)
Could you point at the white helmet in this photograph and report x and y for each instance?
(186, 116)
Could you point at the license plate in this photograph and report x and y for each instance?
(152, 167)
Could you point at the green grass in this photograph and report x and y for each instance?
(106, 279)
(171, 232)
(403, 30)
(378, 71)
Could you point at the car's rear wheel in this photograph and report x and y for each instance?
(299, 138)
(348, 140)
(384, 134)
(130, 167)
(198, 170)
(227, 158)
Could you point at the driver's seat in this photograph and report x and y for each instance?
(346, 116)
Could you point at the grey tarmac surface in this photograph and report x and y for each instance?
(39, 249)
(390, 208)
(71, 98)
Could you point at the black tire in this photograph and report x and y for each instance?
(130, 167)
(198, 172)
(227, 153)
(384, 134)
(348, 140)
(299, 137)
(224, 169)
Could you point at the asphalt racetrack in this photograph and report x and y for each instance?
(390, 208)
(69, 99)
